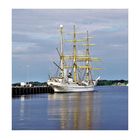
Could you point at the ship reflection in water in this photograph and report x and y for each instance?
(102, 110)
(74, 111)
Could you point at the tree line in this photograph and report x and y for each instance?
(112, 82)
(100, 83)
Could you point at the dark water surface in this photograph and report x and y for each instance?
(104, 109)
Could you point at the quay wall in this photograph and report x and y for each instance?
(31, 90)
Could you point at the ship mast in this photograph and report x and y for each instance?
(87, 61)
(74, 55)
(61, 51)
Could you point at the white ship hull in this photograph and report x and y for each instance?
(71, 88)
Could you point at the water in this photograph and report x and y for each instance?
(104, 109)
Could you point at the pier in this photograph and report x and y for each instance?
(31, 90)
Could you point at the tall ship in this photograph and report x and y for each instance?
(74, 70)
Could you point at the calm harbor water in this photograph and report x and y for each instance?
(104, 109)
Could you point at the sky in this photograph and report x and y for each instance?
(35, 37)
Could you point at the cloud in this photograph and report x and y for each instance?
(23, 47)
(35, 37)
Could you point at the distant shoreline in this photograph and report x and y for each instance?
(112, 83)
(100, 83)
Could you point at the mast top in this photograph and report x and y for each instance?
(61, 26)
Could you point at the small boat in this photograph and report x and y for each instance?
(75, 71)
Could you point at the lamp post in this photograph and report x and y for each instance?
(27, 72)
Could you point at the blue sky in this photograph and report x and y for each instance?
(35, 38)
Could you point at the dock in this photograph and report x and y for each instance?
(31, 90)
